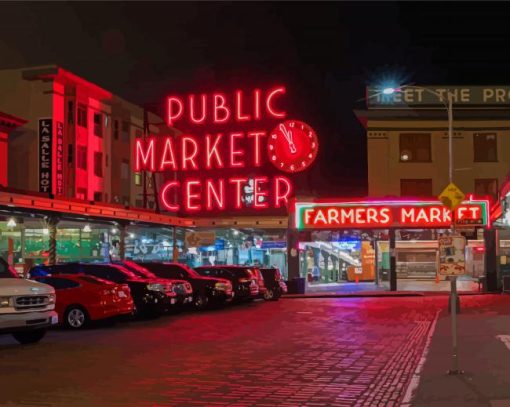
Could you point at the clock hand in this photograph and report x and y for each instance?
(288, 136)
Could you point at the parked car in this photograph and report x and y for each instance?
(244, 281)
(150, 296)
(275, 286)
(82, 298)
(26, 307)
(181, 288)
(206, 290)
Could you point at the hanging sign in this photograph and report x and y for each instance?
(388, 214)
(221, 161)
(452, 255)
(59, 164)
(45, 155)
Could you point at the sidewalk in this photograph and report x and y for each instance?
(483, 356)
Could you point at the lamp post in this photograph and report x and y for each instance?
(454, 299)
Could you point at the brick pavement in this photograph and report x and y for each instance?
(309, 352)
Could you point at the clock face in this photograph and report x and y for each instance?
(292, 146)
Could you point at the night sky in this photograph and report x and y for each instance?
(325, 53)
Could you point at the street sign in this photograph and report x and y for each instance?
(451, 196)
(197, 239)
(452, 255)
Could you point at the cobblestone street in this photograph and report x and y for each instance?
(295, 352)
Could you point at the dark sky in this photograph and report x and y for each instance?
(324, 52)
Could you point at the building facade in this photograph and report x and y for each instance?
(77, 139)
(407, 140)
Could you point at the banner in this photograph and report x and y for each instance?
(45, 155)
(59, 159)
(452, 255)
(197, 239)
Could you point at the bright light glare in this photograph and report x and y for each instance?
(87, 229)
(46, 231)
(388, 91)
(11, 223)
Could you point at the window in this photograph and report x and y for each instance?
(124, 169)
(98, 164)
(82, 116)
(116, 129)
(98, 125)
(416, 187)
(485, 147)
(125, 132)
(415, 148)
(58, 283)
(98, 196)
(138, 178)
(487, 186)
(81, 193)
(81, 157)
(70, 112)
(70, 153)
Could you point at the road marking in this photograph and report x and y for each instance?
(505, 339)
(415, 379)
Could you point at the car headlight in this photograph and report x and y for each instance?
(156, 287)
(51, 298)
(222, 286)
(4, 301)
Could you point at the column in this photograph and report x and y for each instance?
(122, 242)
(393, 261)
(292, 253)
(489, 237)
(175, 248)
(52, 227)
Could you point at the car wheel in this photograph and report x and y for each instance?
(201, 301)
(269, 294)
(75, 317)
(29, 336)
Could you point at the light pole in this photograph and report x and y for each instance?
(454, 299)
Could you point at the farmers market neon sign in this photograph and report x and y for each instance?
(386, 214)
(228, 153)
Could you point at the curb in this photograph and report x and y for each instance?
(381, 294)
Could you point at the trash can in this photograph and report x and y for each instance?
(296, 286)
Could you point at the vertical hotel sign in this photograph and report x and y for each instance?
(59, 178)
(45, 155)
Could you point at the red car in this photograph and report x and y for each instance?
(82, 298)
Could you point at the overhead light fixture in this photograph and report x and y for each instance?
(45, 231)
(87, 228)
(235, 232)
(132, 235)
(114, 231)
(11, 223)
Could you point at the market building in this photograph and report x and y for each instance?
(222, 168)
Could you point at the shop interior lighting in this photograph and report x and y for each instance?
(114, 231)
(46, 231)
(235, 232)
(132, 235)
(87, 228)
(11, 223)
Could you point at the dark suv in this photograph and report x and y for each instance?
(181, 288)
(205, 290)
(245, 282)
(275, 286)
(151, 297)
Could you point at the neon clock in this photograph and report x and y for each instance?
(292, 146)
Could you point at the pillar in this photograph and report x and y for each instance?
(393, 261)
(175, 248)
(489, 237)
(122, 242)
(292, 253)
(376, 262)
(52, 228)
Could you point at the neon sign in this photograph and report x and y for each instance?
(388, 214)
(217, 166)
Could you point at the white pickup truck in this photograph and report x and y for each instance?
(26, 307)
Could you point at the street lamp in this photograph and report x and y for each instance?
(448, 104)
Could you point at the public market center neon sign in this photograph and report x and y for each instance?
(227, 143)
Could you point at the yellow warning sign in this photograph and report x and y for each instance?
(451, 196)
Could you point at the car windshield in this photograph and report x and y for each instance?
(138, 270)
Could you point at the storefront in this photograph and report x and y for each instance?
(380, 245)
